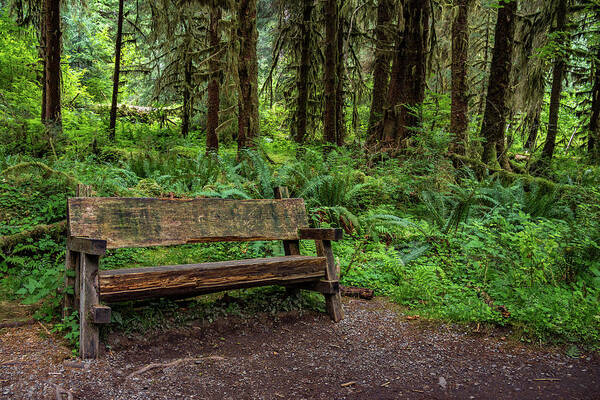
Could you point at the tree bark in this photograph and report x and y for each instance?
(459, 120)
(303, 72)
(212, 120)
(340, 123)
(594, 127)
(534, 127)
(42, 55)
(407, 83)
(381, 69)
(494, 117)
(248, 75)
(187, 99)
(53, 44)
(330, 84)
(115, 93)
(558, 73)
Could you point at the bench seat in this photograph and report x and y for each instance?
(195, 279)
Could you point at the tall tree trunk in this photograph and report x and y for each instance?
(558, 73)
(42, 55)
(594, 127)
(330, 73)
(212, 137)
(486, 52)
(303, 71)
(459, 119)
(340, 121)
(534, 127)
(53, 44)
(407, 82)
(494, 117)
(381, 69)
(248, 75)
(187, 99)
(115, 93)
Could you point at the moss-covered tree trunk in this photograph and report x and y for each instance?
(494, 117)
(52, 83)
(381, 69)
(558, 74)
(409, 70)
(459, 119)
(187, 98)
(115, 93)
(534, 127)
(248, 75)
(42, 56)
(330, 72)
(212, 118)
(303, 72)
(594, 127)
(340, 123)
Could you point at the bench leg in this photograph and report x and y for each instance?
(71, 283)
(89, 296)
(333, 302)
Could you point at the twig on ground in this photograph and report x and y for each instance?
(159, 365)
(46, 329)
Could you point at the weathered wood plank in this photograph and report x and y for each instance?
(290, 247)
(323, 286)
(71, 270)
(321, 233)
(89, 338)
(333, 302)
(137, 222)
(87, 245)
(186, 280)
(100, 314)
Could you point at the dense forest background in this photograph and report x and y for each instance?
(456, 142)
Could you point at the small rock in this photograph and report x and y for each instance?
(442, 382)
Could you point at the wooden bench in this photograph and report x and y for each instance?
(96, 224)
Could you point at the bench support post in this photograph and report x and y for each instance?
(71, 283)
(89, 296)
(333, 301)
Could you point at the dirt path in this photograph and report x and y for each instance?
(372, 354)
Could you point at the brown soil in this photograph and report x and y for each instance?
(374, 353)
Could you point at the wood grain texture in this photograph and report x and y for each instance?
(87, 245)
(140, 222)
(290, 247)
(333, 301)
(321, 233)
(71, 271)
(191, 279)
(101, 314)
(89, 335)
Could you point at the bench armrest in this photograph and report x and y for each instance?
(321, 233)
(87, 245)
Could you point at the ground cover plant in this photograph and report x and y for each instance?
(435, 218)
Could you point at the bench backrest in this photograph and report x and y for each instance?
(140, 222)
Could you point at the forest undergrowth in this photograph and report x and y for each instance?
(442, 241)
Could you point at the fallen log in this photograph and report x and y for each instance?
(362, 293)
(16, 324)
(56, 229)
